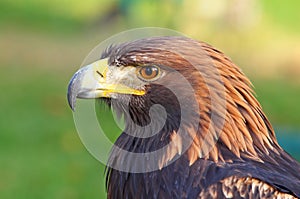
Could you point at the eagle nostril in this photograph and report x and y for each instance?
(100, 74)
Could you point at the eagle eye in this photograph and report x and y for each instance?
(148, 72)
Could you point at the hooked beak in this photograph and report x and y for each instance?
(90, 82)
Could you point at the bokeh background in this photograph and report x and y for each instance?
(42, 43)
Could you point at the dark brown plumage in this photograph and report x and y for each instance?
(244, 159)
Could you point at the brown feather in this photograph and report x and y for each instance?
(234, 187)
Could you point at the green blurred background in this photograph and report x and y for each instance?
(42, 43)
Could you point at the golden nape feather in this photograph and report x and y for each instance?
(212, 139)
(246, 129)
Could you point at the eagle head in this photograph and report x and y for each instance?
(198, 90)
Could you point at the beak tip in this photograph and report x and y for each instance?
(71, 102)
(74, 87)
(72, 94)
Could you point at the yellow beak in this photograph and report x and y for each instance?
(91, 82)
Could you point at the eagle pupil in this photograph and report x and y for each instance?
(149, 70)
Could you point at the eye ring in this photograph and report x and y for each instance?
(149, 72)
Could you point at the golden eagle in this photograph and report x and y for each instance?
(222, 147)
